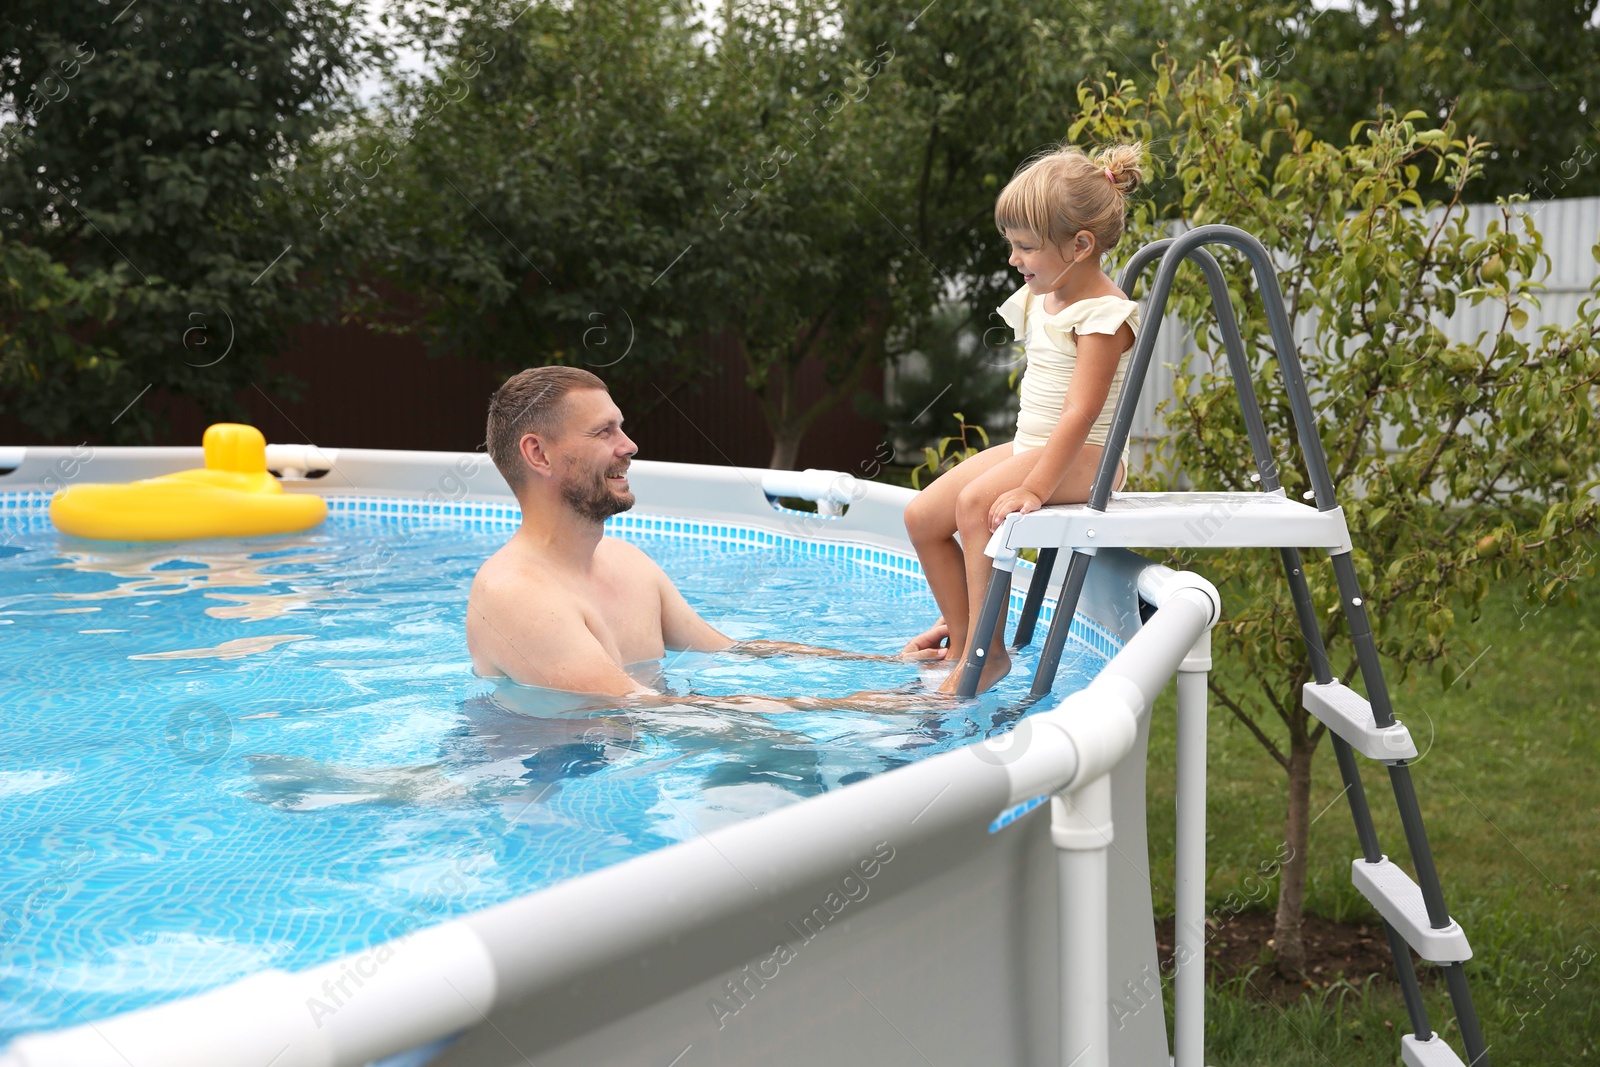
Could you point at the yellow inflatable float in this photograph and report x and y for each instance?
(232, 496)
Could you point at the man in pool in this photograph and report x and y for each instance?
(560, 605)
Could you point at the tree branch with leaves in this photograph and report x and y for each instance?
(1458, 462)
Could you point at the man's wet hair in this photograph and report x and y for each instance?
(529, 402)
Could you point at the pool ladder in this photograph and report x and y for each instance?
(1414, 913)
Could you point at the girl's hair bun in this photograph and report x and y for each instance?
(1063, 190)
(1122, 161)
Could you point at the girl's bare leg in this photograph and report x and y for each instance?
(973, 521)
(931, 525)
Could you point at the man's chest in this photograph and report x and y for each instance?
(626, 616)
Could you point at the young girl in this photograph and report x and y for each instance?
(1060, 213)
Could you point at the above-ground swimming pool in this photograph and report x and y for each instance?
(222, 756)
(261, 811)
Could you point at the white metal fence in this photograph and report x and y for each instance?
(1570, 229)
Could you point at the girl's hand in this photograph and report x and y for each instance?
(1016, 500)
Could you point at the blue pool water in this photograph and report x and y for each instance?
(232, 755)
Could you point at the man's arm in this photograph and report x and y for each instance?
(929, 645)
(681, 627)
(790, 648)
(876, 701)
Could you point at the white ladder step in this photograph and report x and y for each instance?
(1430, 1053)
(1349, 715)
(1399, 900)
(1183, 520)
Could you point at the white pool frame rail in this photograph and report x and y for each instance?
(491, 970)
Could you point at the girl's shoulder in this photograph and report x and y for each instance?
(1095, 314)
(1015, 311)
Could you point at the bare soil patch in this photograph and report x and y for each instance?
(1239, 946)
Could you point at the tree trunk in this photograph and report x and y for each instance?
(1288, 939)
(785, 447)
(781, 405)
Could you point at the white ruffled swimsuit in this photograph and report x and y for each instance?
(1051, 348)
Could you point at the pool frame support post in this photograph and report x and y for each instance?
(1189, 906)
(1080, 827)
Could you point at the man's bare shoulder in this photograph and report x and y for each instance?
(511, 572)
(505, 572)
(623, 555)
(508, 606)
(510, 582)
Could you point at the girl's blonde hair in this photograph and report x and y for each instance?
(1058, 193)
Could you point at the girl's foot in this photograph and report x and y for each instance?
(932, 675)
(997, 664)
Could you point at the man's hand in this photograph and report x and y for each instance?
(931, 644)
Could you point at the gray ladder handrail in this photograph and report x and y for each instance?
(1171, 253)
(1127, 404)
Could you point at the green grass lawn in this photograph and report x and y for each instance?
(1510, 792)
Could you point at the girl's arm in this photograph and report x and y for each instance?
(1098, 356)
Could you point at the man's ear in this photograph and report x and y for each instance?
(532, 447)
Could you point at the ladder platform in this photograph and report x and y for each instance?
(1180, 520)
(1430, 1053)
(1397, 898)
(1349, 715)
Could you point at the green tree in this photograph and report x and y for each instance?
(619, 182)
(951, 352)
(623, 172)
(140, 156)
(1491, 469)
(894, 205)
(43, 312)
(813, 148)
(982, 87)
(538, 192)
(1521, 75)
